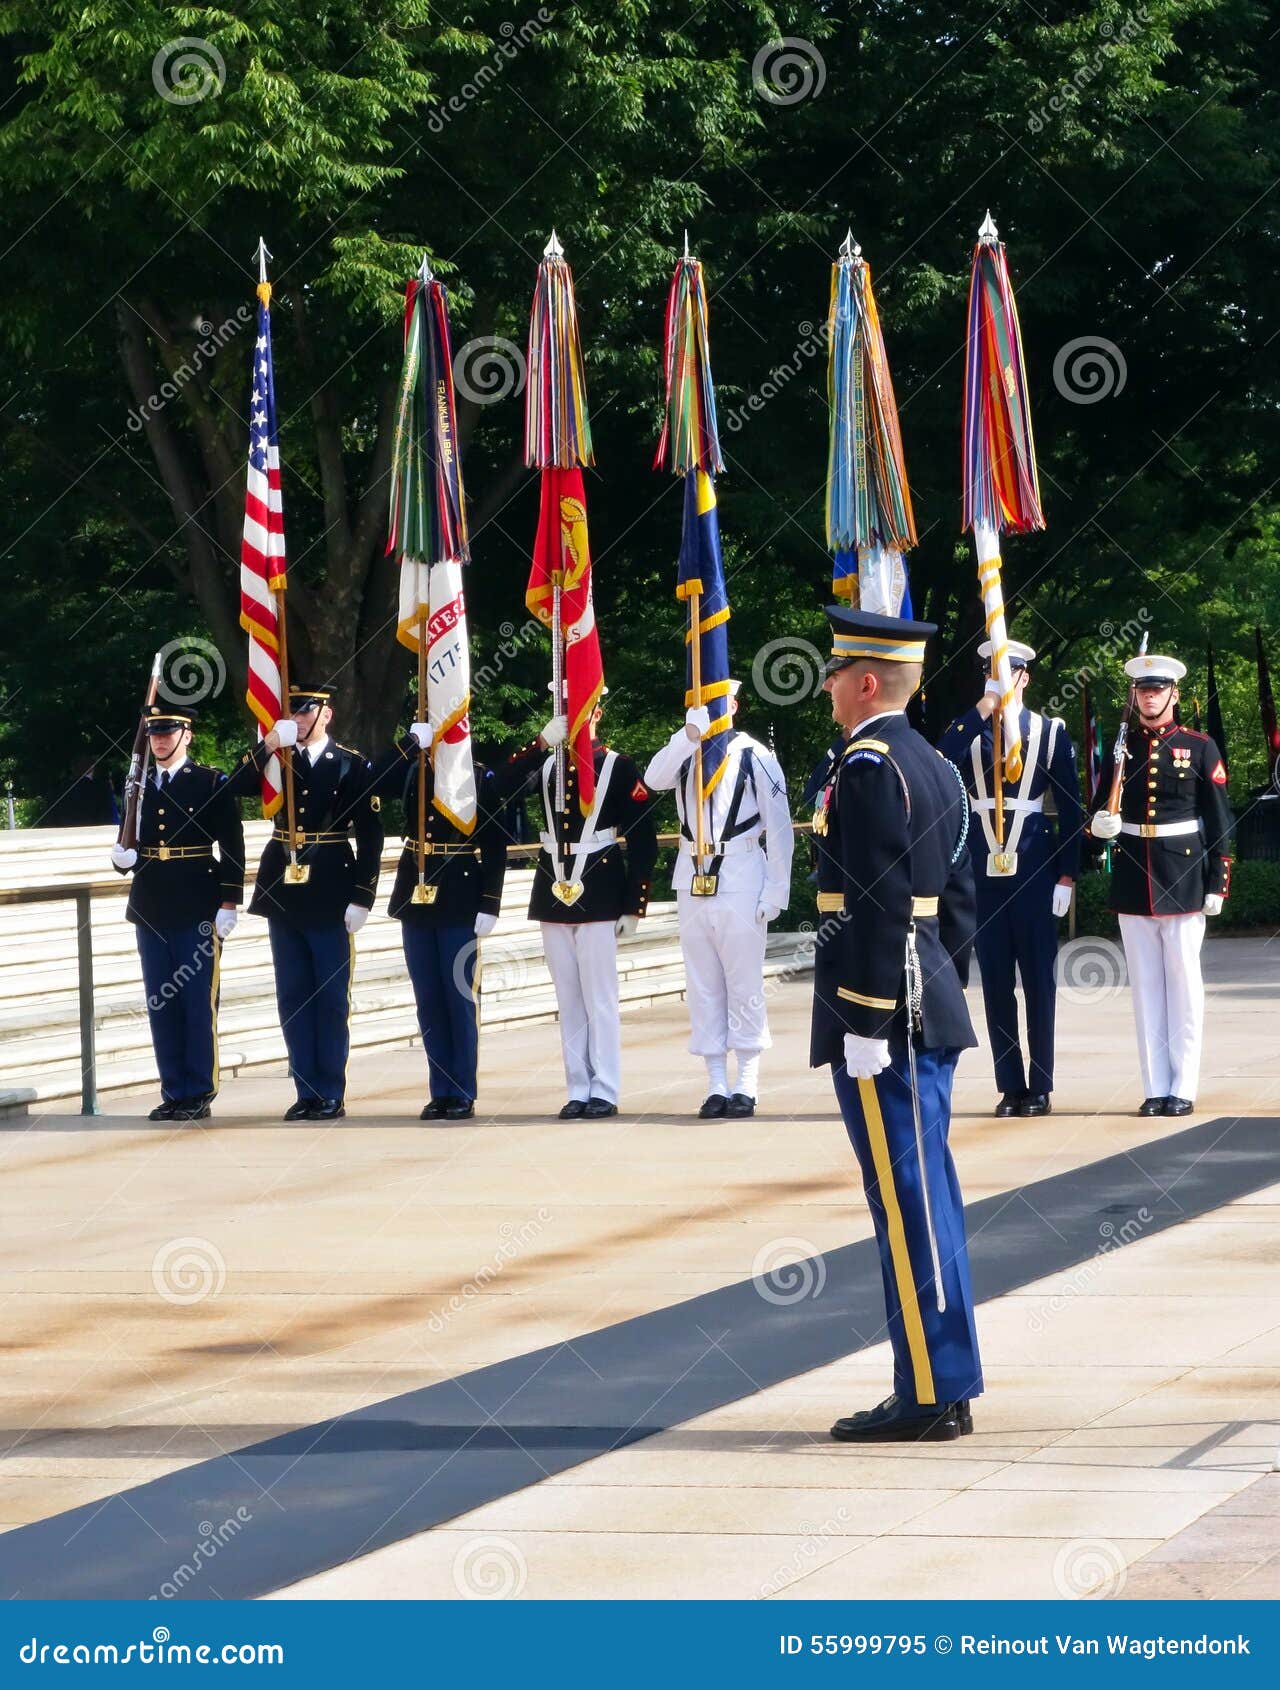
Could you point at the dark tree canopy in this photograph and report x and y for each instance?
(1130, 156)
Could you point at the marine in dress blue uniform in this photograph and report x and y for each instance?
(1023, 884)
(313, 924)
(895, 927)
(188, 878)
(442, 927)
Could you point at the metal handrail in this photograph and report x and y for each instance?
(84, 892)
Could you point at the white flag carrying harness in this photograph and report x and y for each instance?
(1002, 860)
(568, 887)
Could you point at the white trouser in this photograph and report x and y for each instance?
(1163, 956)
(583, 959)
(723, 947)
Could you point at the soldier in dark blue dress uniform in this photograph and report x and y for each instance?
(895, 901)
(182, 904)
(1023, 882)
(313, 923)
(443, 922)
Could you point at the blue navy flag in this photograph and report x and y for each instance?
(701, 579)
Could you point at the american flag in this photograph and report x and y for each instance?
(262, 562)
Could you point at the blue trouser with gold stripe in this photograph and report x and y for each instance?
(313, 996)
(442, 967)
(935, 1355)
(180, 973)
(1017, 930)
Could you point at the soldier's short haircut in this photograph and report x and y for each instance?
(898, 681)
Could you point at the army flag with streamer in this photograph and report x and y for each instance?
(690, 444)
(870, 523)
(558, 443)
(428, 532)
(1001, 483)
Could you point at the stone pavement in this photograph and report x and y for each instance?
(174, 1295)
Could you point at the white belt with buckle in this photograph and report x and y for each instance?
(600, 841)
(722, 848)
(1160, 830)
(1033, 806)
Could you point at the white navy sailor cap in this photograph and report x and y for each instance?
(1019, 654)
(1163, 670)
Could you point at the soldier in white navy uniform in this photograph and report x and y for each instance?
(1023, 884)
(725, 912)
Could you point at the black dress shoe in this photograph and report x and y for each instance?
(964, 1417)
(1178, 1106)
(573, 1110)
(1035, 1103)
(328, 1109)
(434, 1110)
(1008, 1105)
(896, 1422)
(301, 1110)
(597, 1108)
(740, 1105)
(194, 1109)
(713, 1107)
(460, 1110)
(162, 1112)
(1153, 1106)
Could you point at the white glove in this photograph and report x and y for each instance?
(1103, 825)
(767, 912)
(696, 722)
(286, 733)
(355, 918)
(555, 732)
(1061, 900)
(625, 926)
(485, 925)
(865, 1058)
(993, 690)
(421, 732)
(224, 923)
(122, 857)
(1213, 903)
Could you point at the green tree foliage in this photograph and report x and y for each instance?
(1128, 152)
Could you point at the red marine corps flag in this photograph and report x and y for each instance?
(428, 531)
(558, 442)
(262, 560)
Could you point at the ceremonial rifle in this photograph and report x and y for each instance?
(138, 759)
(1119, 752)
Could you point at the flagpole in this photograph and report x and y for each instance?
(420, 890)
(695, 657)
(296, 874)
(560, 706)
